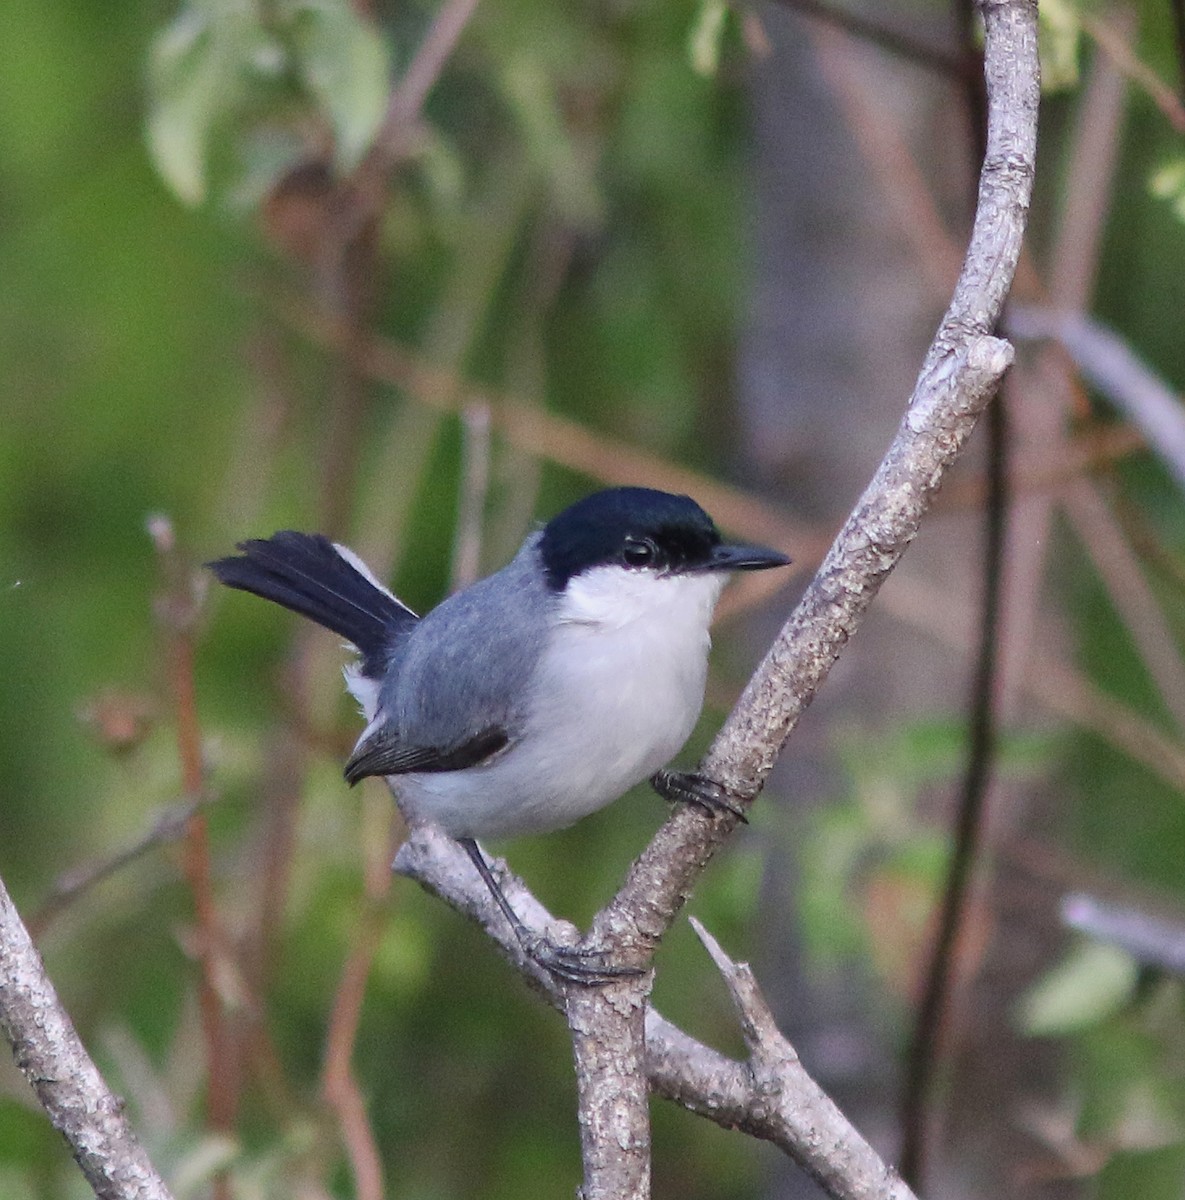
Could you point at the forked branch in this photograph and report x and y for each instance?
(622, 1046)
(958, 378)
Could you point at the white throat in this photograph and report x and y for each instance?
(671, 607)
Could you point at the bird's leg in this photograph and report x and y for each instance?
(689, 787)
(572, 963)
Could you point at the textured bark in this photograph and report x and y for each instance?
(794, 1109)
(609, 1044)
(619, 1045)
(53, 1059)
(958, 378)
(771, 1096)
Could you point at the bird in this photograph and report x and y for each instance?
(538, 694)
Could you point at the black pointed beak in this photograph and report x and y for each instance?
(731, 557)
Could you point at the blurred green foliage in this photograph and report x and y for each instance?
(144, 371)
(570, 226)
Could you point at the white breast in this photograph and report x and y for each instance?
(617, 692)
(624, 678)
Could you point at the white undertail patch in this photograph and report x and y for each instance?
(364, 689)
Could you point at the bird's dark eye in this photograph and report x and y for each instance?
(639, 552)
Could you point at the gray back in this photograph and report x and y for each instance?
(468, 663)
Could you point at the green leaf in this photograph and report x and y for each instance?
(1167, 182)
(202, 1160)
(531, 95)
(1092, 983)
(199, 72)
(707, 37)
(1059, 35)
(181, 94)
(343, 62)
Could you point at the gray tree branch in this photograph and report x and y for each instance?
(619, 1043)
(818, 1135)
(783, 1105)
(53, 1059)
(959, 376)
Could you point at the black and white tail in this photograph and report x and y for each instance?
(327, 583)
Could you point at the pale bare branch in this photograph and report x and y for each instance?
(1112, 366)
(958, 378)
(821, 1139)
(51, 1055)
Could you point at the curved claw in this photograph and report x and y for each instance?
(565, 962)
(572, 963)
(689, 787)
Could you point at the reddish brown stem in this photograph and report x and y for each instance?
(338, 1083)
(177, 611)
(221, 1099)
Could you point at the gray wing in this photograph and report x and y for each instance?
(458, 690)
(384, 754)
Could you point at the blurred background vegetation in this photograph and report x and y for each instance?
(667, 243)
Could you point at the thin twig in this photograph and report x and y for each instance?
(485, 249)
(1094, 159)
(517, 475)
(558, 439)
(982, 724)
(1151, 940)
(474, 487)
(967, 835)
(1056, 686)
(933, 58)
(178, 610)
(339, 1085)
(1111, 365)
(1177, 8)
(170, 825)
(1117, 49)
(1135, 600)
(407, 99)
(285, 753)
(825, 1143)
(51, 1055)
(894, 168)
(1089, 452)
(1149, 543)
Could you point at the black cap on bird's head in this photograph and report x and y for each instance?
(642, 529)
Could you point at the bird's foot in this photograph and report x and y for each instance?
(585, 965)
(689, 787)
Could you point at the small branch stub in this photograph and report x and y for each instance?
(821, 1139)
(774, 1098)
